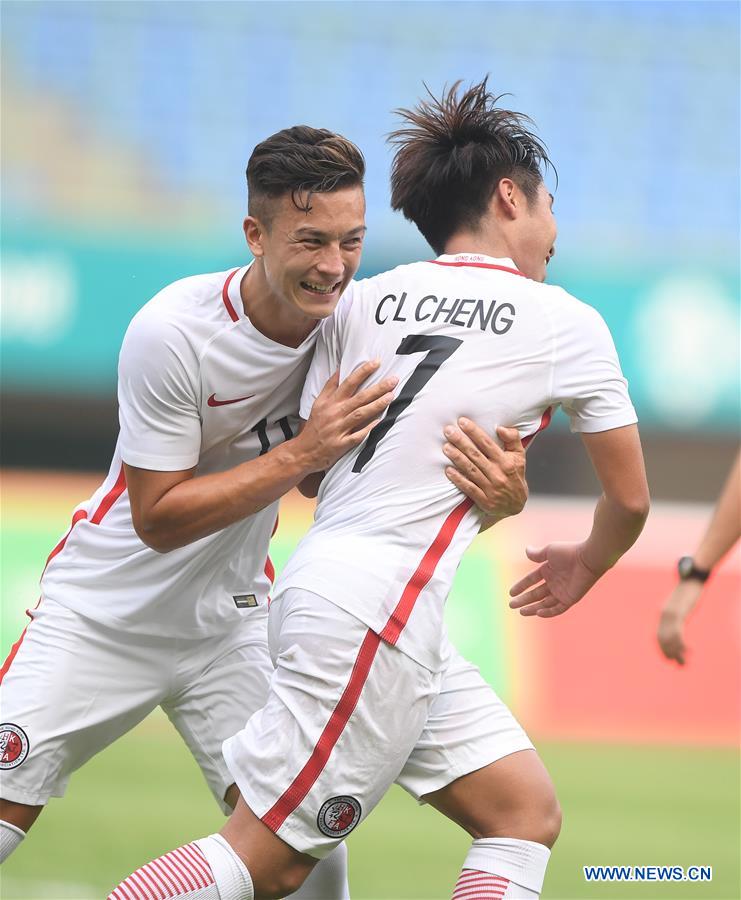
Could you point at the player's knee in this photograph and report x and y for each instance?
(534, 816)
(285, 882)
(547, 823)
(538, 817)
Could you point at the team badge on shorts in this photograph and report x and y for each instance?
(338, 816)
(13, 746)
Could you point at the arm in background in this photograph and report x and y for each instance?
(722, 533)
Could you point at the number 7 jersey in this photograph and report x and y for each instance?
(467, 336)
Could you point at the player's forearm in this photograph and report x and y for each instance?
(203, 505)
(615, 529)
(725, 525)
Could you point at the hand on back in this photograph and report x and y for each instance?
(343, 414)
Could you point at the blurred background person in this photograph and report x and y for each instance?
(724, 529)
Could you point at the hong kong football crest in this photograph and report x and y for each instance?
(338, 816)
(13, 746)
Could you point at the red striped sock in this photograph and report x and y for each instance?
(476, 885)
(178, 873)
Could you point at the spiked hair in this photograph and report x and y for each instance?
(452, 153)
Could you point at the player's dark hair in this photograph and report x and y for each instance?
(301, 161)
(451, 155)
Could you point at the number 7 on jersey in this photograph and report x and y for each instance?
(438, 348)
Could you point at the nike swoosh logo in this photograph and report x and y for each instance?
(212, 401)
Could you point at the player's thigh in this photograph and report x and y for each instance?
(72, 688)
(512, 797)
(343, 713)
(475, 763)
(226, 681)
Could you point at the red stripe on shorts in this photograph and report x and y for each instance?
(302, 784)
(225, 297)
(425, 570)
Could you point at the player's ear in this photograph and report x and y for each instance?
(254, 233)
(508, 197)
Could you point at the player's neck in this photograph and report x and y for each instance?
(476, 242)
(270, 314)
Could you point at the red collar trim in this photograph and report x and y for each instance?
(476, 265)
(225, 297)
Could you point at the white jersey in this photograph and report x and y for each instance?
(199, 386)
(467, 336)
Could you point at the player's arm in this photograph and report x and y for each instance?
(588, 382)
(566, 571)
(174, 508)
(723, 530)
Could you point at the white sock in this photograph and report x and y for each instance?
(502, 869)
(230, 873)
(207, 869)
(328, 880)
(10, 837)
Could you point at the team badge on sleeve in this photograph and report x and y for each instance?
(338, 816)
(13, 746)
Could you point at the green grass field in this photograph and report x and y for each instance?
(622, 805)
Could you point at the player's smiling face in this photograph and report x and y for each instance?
(310, 257)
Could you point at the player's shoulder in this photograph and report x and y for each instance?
(191, 308)
(566, 309)
(390, 280)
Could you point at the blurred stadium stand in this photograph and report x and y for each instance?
(127, 126)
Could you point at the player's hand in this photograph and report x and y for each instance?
(343, 414)
(670, 633)
(560, 581)
(490, 475)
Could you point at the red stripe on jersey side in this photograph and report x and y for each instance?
(77, 517)
(476, 265)
(303, 782)
(105, 504)
(545, 421)
(225, 297)
(269, 569)
(425, 570)
(110, 498)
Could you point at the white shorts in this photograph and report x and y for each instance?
(75, 686)
(347, 716)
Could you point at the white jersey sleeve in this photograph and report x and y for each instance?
(587, 380)
(327, 354)
(158, 396)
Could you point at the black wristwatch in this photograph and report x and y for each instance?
(688, 571)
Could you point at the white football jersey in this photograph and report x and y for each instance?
(199, 386)
(467, 336)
